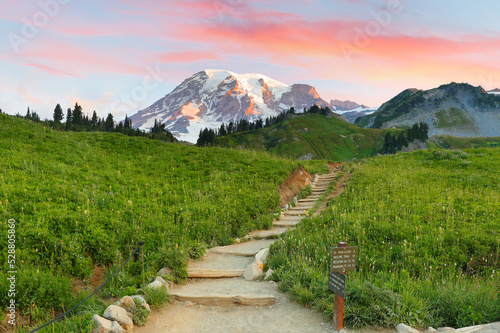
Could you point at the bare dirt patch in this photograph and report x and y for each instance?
(292, 185)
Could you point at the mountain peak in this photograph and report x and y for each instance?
(214, 96)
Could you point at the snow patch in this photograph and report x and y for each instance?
(367, 111)
(191, 110)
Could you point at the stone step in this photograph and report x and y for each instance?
(266, 234)
(220, 261)
(301, 212)
(285, 223)
(225, 292)
(306, 200)
(214, 273)
(303, 204)
(249, 248)
(290, 218)
(322, 187)
(226, 300)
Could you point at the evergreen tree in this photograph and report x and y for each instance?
(109, 124)
(126, 124)
(69, 119)
(28, 114)
(222, 130)
(230, 128)
(401, 141)
(58, 114)
(77, 115)
(95, 120)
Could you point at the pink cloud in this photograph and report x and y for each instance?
(188, 56)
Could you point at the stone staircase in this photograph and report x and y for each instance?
(218, 280)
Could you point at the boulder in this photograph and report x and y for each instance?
(127, 303)
(253, 271)
(141, 300)
(269, 273)
(106, 326)
(431, 329)
(164, 271)
(167, 284)
(402, 328)
(120, 315)
(445, 329)
(154, 284)
(262, 255)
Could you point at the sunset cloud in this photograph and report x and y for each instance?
(335, 44)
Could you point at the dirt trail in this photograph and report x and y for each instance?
(197, 304)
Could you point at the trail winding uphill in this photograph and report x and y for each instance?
(222, 294)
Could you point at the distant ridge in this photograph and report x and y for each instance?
(456, 109)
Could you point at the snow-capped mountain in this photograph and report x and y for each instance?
(212, 97)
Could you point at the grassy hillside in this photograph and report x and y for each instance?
(428, 236)
(452, 142)
(326, 138)
(83, 199)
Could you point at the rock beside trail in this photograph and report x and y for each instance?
(269, 273)
(402, 328)
(127, 303)
(167, 284)
(164, 271)
(120, 315)
(254, 270)
(154, 284)
(106, 326)
(141, 300)
(262, 255)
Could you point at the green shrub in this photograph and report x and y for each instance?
(369, 305)
(140, 314)
(175, 258)
(156, 297)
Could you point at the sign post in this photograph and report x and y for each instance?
(343, 259)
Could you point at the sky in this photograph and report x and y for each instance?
(121, 56)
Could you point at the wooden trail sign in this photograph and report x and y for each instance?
(343, 260)
(336, 283)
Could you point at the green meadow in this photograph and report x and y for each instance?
(83, 200)
(427, 229)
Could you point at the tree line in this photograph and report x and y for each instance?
(395, 142)
(207, 135)
(77, 121)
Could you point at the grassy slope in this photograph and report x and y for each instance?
(452, 142)
(81, 198)
(427, 230)
(326, 138)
